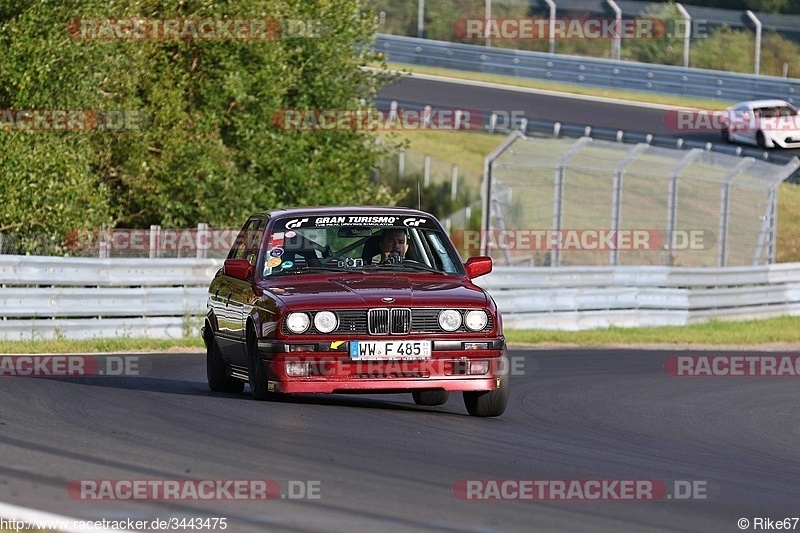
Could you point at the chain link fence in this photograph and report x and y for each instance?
(562, 202)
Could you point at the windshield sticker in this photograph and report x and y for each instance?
(413, 221)
(296, 223)
(290, 234)
(286, 265)
(275, 240)
(354, 220)
(276, 252)
(274, 261)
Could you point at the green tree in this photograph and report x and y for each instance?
(725, 49)
(208, 150)
(666, 50)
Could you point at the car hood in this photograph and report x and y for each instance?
(331, 292)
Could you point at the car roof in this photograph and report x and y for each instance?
(764, 103)
(340, 209)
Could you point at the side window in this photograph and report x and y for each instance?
(248, 241)
(238, 248)
(253, 238)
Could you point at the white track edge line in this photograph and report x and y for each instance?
(29, 516)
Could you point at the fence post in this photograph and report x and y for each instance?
(487, 12)
(757, 57)
(155, 241)
(687, 37)
(375, 169)
(616, 201)
(421, 19)
(672, 199)
(104, 249)
(401, 164)
(558, 194)
(201, 240)
(454, 183)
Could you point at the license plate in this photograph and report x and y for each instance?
(390, 349)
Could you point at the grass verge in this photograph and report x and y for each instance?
(100, 345)
(752, 333)
(530, 83)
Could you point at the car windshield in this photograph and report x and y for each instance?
(358, 243)
(776, 111)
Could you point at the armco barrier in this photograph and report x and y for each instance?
(51, 297)
(604, 73)
(574, 298)
(79, 298)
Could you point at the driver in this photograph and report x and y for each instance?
(393, 245)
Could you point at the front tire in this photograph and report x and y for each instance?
(493, 402)
(488, 403)
(217, 370)
(438, 397)
(256, 371)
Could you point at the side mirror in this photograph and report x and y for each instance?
(478, 266)
(238, 268)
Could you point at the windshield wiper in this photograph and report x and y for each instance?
(412, 265)
(328, 269)
(305, 269)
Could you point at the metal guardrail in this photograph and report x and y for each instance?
(80, 298)
(593, 72)
(79, 271)
(567, 298)
(575, 298)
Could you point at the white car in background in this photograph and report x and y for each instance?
(764, 123)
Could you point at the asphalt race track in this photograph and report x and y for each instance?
(380, 463)
(566, 109)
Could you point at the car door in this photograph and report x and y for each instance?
(242, 294)
(741, 128)
(232, 294)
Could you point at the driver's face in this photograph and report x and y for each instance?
(394, 242)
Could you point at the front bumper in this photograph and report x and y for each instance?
(784, 139)
(450, 368)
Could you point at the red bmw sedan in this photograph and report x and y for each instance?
(354, 299)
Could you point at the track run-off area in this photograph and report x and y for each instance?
(592, 440)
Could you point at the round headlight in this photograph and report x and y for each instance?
(476, 320)
(325, 322)
(450, 320)
(297, 322)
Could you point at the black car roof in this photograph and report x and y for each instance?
(339, 209)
